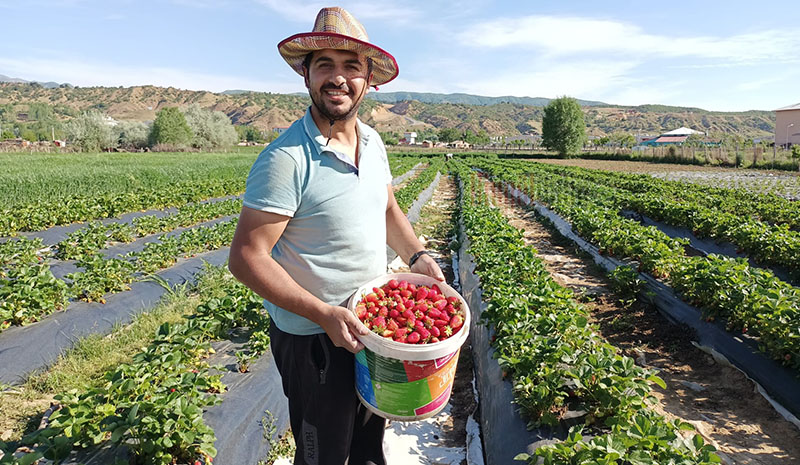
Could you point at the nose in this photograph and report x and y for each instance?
(338, 79)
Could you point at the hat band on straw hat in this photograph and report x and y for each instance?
(336, 29)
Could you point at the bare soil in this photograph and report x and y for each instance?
(433, 228)
(719, 401)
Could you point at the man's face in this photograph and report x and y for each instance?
(336, 81)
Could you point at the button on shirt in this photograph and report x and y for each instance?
(335, 239)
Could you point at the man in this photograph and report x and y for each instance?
(318, 213)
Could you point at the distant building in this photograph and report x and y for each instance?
(427, 144)
(410, 137)
(458, 144)
(787, 125)
(280, 129)
(674, 137)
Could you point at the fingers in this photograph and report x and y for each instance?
(344, 328)
(428, 266)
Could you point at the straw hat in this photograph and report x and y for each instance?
(335, 28)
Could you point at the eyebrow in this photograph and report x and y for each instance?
(347, 61)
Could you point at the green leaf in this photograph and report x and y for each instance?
(658, 381)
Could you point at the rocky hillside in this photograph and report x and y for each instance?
(266, 111)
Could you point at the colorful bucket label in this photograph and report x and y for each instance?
(404, 388)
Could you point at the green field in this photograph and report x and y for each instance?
(30, 177)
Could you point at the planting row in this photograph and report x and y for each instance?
(557, 362)
(401, 165)
(408, 193)
(96, 236)
(46, 213)
(154, 404)
(28, 292)
(766, 207)
(748, 299)
(768, 244)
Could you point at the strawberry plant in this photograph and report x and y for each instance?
(154, 404)
(408, 194)
(554, 358)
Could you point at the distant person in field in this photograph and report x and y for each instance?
(318, 213)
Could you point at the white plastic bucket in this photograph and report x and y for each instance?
(407, 382)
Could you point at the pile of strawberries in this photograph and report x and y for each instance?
(404, 312)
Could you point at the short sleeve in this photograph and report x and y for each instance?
(274, 184)
(385, 160)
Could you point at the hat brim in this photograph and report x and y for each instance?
(295, 48)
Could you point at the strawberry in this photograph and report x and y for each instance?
(424, 334)
(383, 311)
(435, 331)
(403, 285)
(456, 321)
(421, 294)
(361, 311)
(393, 313)
(441, 323)
(371, 297)
(393, 284)
(413, 338)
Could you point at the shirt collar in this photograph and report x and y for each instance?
(313, 133)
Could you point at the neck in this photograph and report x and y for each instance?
(342, 131)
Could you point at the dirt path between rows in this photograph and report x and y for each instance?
(440, 440)
(719, 401)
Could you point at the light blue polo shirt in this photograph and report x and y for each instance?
(336, 237)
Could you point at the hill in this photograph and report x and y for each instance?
(396, 111)
(467, 99)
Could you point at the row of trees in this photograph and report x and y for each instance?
(172, 129)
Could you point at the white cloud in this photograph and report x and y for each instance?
(581, 79)
(306, 12)
(106, 74)
(554, 35)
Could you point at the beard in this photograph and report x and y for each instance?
(331, 112)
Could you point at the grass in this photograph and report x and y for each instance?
(85, 364)
(27, 177)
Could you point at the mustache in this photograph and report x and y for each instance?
(342, 88)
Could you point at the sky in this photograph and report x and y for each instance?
(717, 55)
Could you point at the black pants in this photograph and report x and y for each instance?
(330, 425)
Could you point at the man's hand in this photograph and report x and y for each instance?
(342, 325)
(428, 266)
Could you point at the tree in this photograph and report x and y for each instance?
(91, 132)
(6, 134)
(563, 129)
(389, 138)
(449, 134)
(211, 129)
(623, 139)
(133, 134)
(249, 134)
(170, 128)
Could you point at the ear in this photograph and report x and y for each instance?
(305, 78)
